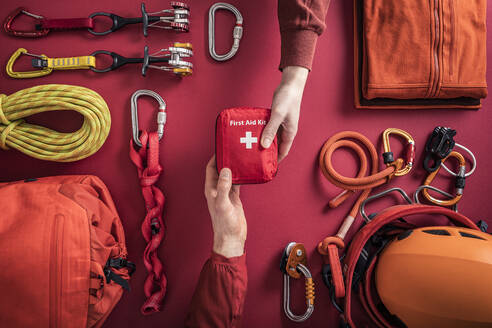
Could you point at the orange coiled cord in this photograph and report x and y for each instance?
(362, 181)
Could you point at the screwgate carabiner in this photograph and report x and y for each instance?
(237, 33)
(292, 264)
(388, 154)
(459, 184)
(369, 217)
(161, 114)
(442, 192)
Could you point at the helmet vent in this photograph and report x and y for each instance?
(469, 235)
(438, 232)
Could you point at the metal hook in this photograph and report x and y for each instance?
(7, 24)
(442, 192)
(379, 195)
(292, 264)
(161, 114)
(237, 33)
(388, 154)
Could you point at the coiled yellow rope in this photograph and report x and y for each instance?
(46, 144)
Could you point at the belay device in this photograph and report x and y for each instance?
(294, 263)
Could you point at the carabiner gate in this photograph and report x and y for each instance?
(459, 184)
(237, 33)
(292, 264)
(7, 24)
(26, 74)
(161, 114)
(388, 156)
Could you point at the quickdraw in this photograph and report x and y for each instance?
(237, 33)
(330, 246)
(146, 159)
(171, 58)
(294, 263)
(176, 18)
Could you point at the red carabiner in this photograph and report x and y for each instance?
(7, 24)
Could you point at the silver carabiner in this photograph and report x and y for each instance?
(442, 192)
(381, 194)
(237, 33)
(292, 265)
(161, 114)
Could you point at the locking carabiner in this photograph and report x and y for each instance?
(161, 114)
(37, 32)
(294, 263)
(388, 154)
(459, 183)
(179, 21)
(237, 33)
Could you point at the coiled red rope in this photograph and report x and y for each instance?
(147, 161)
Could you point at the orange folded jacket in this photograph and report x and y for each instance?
(422, 50)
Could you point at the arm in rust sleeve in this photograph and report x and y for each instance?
(219, 296)
(301, 22)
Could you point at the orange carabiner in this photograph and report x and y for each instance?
(388, 154)
(459, 185)
(36, 33)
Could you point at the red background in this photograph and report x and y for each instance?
(291, 208)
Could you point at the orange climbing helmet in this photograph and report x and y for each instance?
(437, 277)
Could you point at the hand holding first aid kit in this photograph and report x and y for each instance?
(238, 133)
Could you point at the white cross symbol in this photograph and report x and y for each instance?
(248, 140)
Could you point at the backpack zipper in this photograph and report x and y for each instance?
(55, 272)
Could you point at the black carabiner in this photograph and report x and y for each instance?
(119, 22)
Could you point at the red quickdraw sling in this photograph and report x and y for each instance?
(146, 160)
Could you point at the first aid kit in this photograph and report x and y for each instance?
(237, 145)
(64, 248)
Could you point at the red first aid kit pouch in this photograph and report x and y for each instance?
(238, 134)
(63, 253)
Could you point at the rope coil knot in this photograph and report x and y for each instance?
(9, 126)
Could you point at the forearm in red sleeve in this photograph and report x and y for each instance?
(301, 22)
(218, 300)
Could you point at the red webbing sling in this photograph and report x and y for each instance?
(147, 161)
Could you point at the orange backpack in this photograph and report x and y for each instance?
(63, 253)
